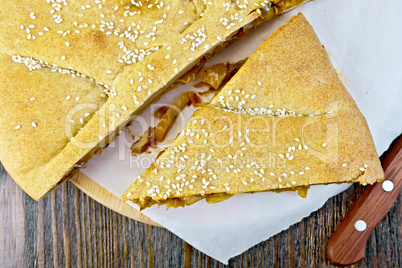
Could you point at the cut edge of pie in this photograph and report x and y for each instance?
(290, 124)
(120, 107)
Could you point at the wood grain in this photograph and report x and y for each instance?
(35, 234)
(12, 231)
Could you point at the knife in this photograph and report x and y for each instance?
(348, 243)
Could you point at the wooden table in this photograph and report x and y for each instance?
(67, 228)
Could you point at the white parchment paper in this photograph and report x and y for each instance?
(364, 40)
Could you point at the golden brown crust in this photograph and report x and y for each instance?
(113, 44)
(46, 101)
(284, 120)
(295, 76)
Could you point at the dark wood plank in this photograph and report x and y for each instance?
(54, 230)
(66, 225)
(12, 226)
(40, 234)
(77, 220)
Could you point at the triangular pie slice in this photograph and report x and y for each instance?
(101, 63)
(284, 121)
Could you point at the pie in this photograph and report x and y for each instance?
(74, 73)
(284, 121)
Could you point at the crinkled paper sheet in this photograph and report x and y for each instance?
(364, 41)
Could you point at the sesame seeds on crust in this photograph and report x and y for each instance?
(92, 39)
(261, 166)
(268, 130)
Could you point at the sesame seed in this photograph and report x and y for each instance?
(17, 127)
(301, 173)
(67, 44)
(344, 165)
(324, 144)
(33, 124)
(361, 169)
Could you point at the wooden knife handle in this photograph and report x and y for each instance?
(348, 243)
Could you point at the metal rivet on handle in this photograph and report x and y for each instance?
(360, 225)
(387, 185)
